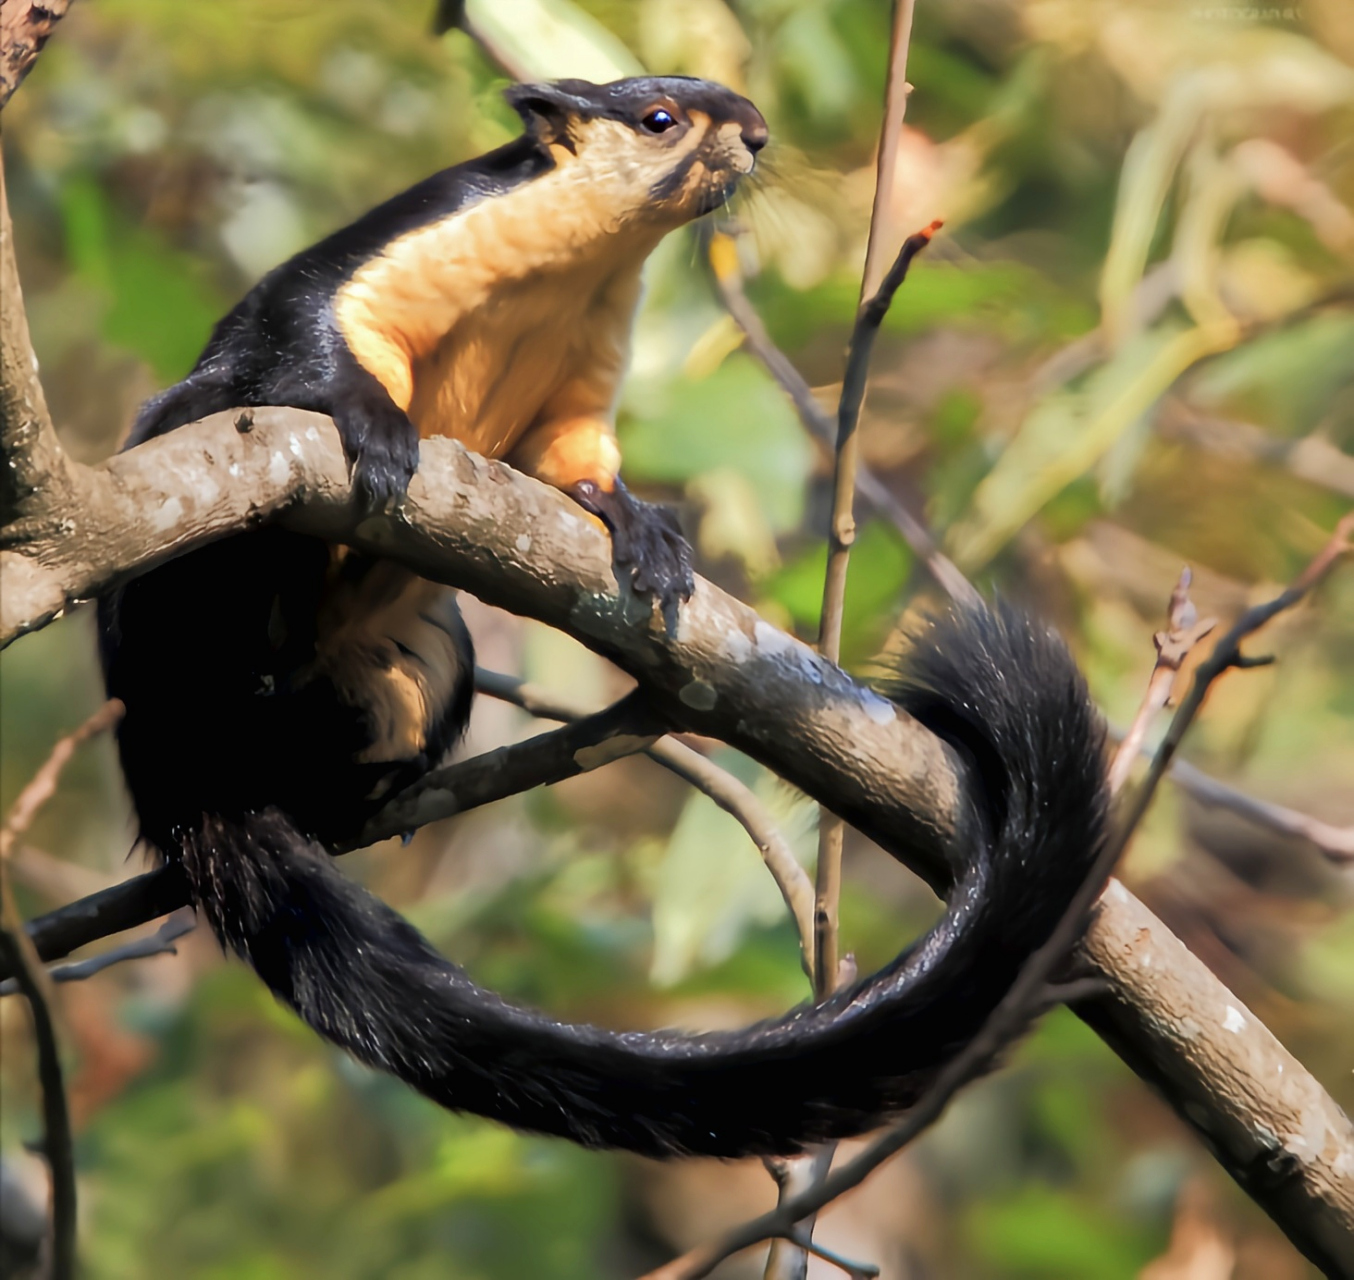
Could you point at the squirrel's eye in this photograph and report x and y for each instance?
(658, 120)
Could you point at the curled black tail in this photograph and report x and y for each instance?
(1003, 692)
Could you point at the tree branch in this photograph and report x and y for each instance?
(159, 943)
(1334, 843)
(723, 672)
(57, 1145)
(587, 744)
(31, 459)
(24, 28)
(1173, 647)
(722, 254)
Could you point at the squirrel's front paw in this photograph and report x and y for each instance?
(647, 543)
(384, 465)
(382, 446)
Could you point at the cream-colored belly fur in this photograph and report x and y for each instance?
(507, 319)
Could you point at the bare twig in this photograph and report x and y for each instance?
(843, 530)
(723, 257)
(841, 537)
(731, 795)
(42, 786)
(18, 957)
(876, 295)
(853, 1270)
(57, 1145)
(1335, 843)
(1311, 458)
(24, 28)
(1227, 654)
(159, 943)
(896, 93)
(1174, 645)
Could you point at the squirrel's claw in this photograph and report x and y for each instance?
(648, 548)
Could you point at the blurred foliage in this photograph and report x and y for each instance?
(1148, 232)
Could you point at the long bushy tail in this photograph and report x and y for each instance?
(1003, 692)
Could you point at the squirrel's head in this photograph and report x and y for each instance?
(663, 149)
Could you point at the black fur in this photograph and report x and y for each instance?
(243, 764)
(1004, 693)
(646, 543)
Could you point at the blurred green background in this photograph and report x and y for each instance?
(1131, 348)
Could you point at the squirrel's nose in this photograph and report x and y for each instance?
(754, 130)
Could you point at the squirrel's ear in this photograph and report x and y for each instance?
(546, 110)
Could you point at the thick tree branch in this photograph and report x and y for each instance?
(724, 672)
(30, 457)
(24, 29)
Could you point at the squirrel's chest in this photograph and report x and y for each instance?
(476, 322)
(495, 372)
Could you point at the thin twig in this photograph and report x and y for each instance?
(854, 1270)
(723, 257)
(18, 957)
(159, 943)
(843, 530)
(57, 1145)
(1174, 645)
(841, 536)
(1312, 457)
(876, 296)
(1334, 843)
(720, 785)
(42, 786)
(1227, 654)
(1032, 982)
(896, 93)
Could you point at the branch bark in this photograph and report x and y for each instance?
(724, 673)
(33, 466)
(24, 29)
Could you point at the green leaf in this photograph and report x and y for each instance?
(736, 418)
(160, 304)
(713, 886)
(1040, 1232)
(879, 567)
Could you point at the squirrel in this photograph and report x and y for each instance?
(279, 690)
